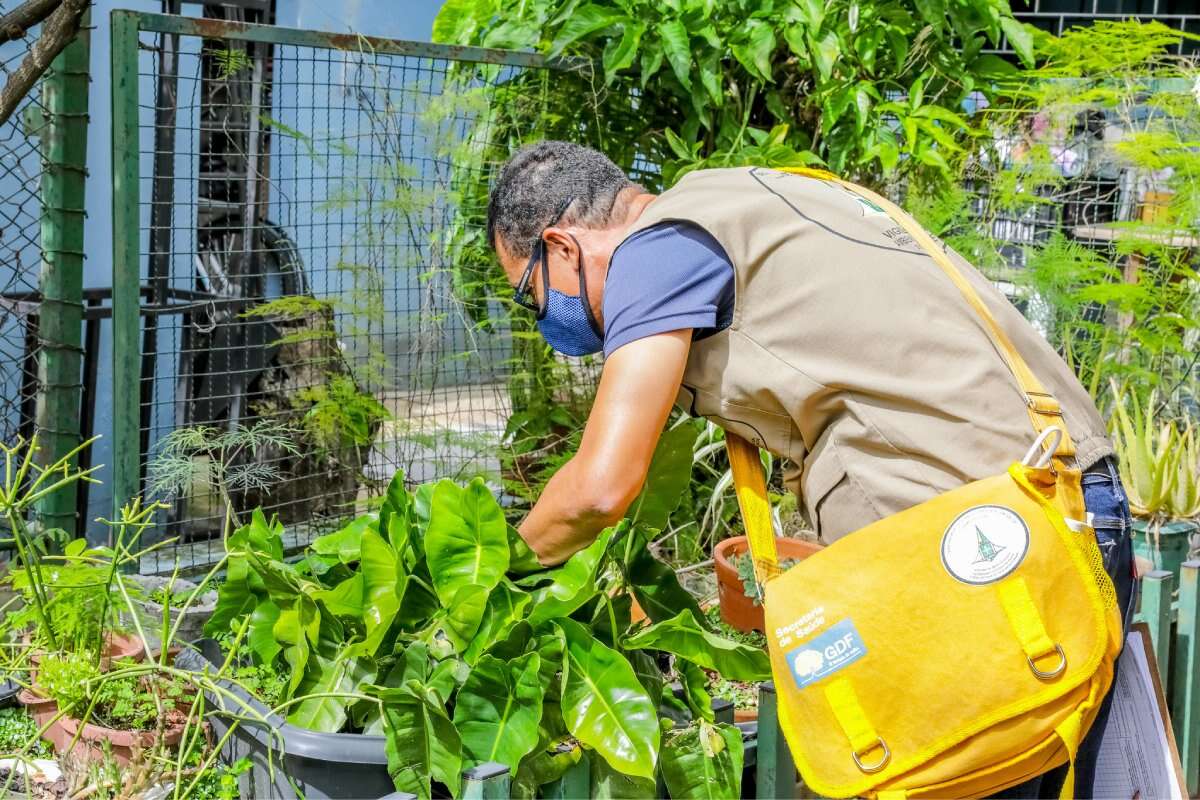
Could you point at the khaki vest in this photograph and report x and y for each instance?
(851, 354)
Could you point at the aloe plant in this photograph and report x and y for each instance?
(1145, 453)
(425, 623)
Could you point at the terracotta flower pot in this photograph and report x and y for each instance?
(736, 608)
(119, 646)
(90, 745)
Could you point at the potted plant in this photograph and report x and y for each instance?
(1159, 464)
(424, 640)
(93, 715)
(185, 605)
(738, 591)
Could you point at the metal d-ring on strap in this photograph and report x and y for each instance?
(1054, 673)
(1038, 455)
(880, 744)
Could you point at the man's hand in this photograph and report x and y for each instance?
(592, 491)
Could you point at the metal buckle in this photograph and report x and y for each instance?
(1045, 676)
(1052, 407)
(881, 763)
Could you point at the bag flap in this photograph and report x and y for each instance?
(909, 624)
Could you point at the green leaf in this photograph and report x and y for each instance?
(711, 77)
(608, 783)
(754, 53)
(417, 603)
(604, 705)
(651, 62)
(669, 473)
(1020, 37)
(467, 539)
(649, 674)
(297, 626)
(933, 12)
(342, 673)
(541, 768)
(575, 583)
(796, 42)
(620, 53)
(462, 616)
(655, 585)
(505, 607)
(345, 599)
(520, 558)
(422, 742)
(345, 543)
(677, 49)
(260, 634)
(703, 762)
(586, 20)
(498, 709)
(683, 636)
(695, 690)
(825, 52)
(457, 20)
(381, 573)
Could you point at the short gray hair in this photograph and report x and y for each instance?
(535, 182)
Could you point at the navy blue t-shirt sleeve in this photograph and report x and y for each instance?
(668, 277)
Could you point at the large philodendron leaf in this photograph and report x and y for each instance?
(466, 542)
(683, 636)
(506, 605)
(498, 709)
(654, 584)
(381, 573)
(261, 635)
(296, 629)
(344, 599)
(573, 585)
(243, 588)
(345, 543)
(604, 705)
(669, 473)
(422, 742)
(544, 766)
(703, 762)
(461, 619)
(326, 678)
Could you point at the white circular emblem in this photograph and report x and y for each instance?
(808, 662)
(984, 543)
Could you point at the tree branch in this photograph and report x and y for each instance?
(57, 32)
(17, 22)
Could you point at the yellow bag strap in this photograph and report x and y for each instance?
(751, 488)
(1044, 409)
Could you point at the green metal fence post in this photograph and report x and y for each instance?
(1156, 609)
(1185, 705)
(60, 319)
(775, 772)
(126, 267)
(576, 782)
(489, 781)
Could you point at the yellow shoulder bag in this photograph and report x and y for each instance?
(953, 649)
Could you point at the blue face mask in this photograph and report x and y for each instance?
(566, 321)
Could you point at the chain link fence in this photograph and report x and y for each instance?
(317, 305)
(21, 163)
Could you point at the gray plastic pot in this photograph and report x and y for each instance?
(317, 766)
(192, 626)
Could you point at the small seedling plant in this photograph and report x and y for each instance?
(430, 622)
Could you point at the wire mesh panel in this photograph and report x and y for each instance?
(21, 161)
(318, 306)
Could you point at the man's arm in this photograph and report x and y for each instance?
(593, 490)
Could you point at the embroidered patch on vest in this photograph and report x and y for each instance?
(836, 648)
(984, 544)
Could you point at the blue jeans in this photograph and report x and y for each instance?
(1104, 497)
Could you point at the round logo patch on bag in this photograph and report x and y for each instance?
(984, 544)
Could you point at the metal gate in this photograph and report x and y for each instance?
(302, 302)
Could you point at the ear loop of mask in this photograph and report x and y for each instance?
(583, 293)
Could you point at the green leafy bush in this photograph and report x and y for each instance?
(19, 734)
(430, 622)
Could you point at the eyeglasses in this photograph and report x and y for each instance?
(523, 294)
